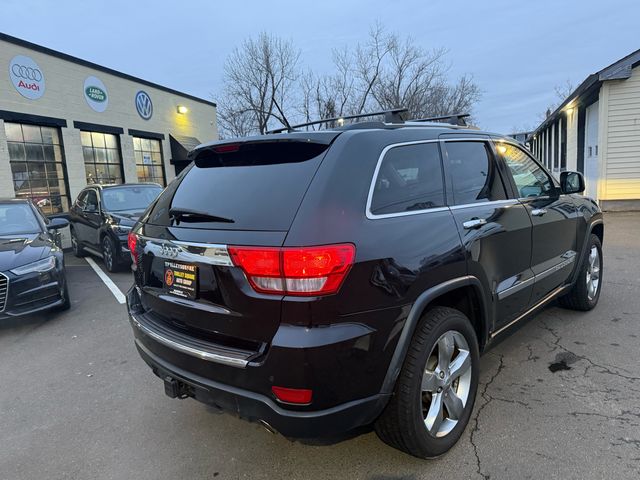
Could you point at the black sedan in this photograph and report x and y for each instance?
(32, 276)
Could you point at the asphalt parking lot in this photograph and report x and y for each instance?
(558, 399)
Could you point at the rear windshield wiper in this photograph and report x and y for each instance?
(194, 216)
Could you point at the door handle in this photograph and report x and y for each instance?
(474, 223)
(538, 212)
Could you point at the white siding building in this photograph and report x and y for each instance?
(596, 131)
(66, 122)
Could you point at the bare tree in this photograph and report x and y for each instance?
(264, 88)
(561, 93)
(258, 81)
(388, 71)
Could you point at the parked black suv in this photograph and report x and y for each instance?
(102, 216)
(322, 281)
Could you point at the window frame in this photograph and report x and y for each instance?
(95, 163)
(493, 158)
(164, 173)
(515, 193)
(372, 216)
(62, 163)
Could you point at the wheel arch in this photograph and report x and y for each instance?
(597, 228)
(463, 293)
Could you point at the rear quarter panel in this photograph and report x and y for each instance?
(397, 258)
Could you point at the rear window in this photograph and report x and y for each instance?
(409, 179)
(257, 187)
(119, 199)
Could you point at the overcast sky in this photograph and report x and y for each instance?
(516, 51)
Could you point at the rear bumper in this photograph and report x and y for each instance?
(343, 364)
(259, 408)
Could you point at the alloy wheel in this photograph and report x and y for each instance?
(593, 273)
(446, 383)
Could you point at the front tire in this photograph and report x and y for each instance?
(585, 293)
(436, 388)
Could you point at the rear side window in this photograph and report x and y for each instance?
(256, 187)
(473, 173)
(409, 178)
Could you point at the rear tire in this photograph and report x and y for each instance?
(433, 399)
(109, 254)
(586, 291)
(78, 251)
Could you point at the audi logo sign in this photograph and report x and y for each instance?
(27, 77)
(144, 105)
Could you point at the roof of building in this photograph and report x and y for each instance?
(619, 70)
(95, 66)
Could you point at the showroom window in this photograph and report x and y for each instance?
(149, 164)
(37, 166)
(102, 159)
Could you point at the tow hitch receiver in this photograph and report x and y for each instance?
(175, 389)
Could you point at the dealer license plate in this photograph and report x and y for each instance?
(181, 279)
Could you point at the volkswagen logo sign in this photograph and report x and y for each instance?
(144, 105)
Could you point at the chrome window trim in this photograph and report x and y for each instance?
(372, 216)
(211, 253)
(441, 141)
(509, 201)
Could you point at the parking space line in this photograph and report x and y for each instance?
(107, 281)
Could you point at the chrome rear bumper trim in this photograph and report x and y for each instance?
(189, 350)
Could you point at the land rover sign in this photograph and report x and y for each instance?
(95, 93)
(27, 77)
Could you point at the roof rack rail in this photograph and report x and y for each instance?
(454, 118)
(391, 116)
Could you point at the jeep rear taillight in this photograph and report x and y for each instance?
(300, 271)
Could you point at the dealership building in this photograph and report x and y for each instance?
(596, 130)
(67, 122)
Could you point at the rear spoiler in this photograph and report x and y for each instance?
(263, 150)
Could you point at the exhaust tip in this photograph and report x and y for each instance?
(267, 427)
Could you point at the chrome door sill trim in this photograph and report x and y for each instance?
(542, 302)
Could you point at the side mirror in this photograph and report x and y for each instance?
(571, 182)
(57, 223)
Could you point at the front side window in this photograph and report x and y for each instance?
(18, 219)
(91, 201)
(37, 166)
(530, 179)
(409, 178)
(473, 172)
(102, 160)
(149, 164)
